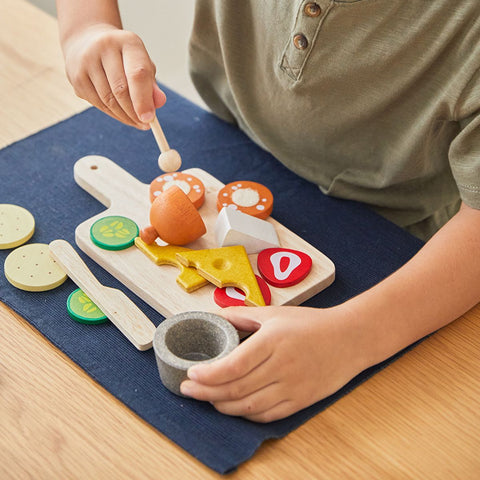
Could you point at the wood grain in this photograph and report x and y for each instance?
(159, 135)
(119, 309)
(34, 91)
(417, 419)
(124, 195)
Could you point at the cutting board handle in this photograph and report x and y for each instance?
(105, 180)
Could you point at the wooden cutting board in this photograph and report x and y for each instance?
(124, 195)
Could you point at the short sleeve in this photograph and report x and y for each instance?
(464, 152)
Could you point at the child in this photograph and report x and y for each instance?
(373, 100)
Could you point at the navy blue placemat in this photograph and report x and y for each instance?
(37, 173)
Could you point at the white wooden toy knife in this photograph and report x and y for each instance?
(121, 311)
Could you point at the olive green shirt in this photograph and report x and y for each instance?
(373, 100)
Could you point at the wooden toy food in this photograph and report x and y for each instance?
(283, 267)
(234, 227)
(190, 184)
(120, 310)
(83, 310)
(174, 219)
(234, 297)
(123, 194)
(226, 267)
(16, 226)
(188, 278)
(114, 232)
(31, 268)
(248, 197)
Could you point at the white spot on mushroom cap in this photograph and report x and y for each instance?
(182, 184)
(245, 197)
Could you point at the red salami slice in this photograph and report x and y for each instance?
(234, 297)
(283, 267)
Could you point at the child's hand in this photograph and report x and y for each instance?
(296, 357)
(111, 69)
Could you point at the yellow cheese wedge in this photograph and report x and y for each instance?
(226, 267)
(188, 278)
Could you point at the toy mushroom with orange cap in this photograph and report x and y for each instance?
(190, 184)
(174, 219)
(248, 197)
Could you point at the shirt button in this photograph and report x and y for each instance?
(312, 9)
(300, 41)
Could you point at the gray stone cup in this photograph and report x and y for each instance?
(187, 339)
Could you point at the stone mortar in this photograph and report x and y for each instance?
(188, 339)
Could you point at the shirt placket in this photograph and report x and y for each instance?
(308, 22)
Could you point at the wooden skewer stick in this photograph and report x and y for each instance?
(159, 135)
(169, 160)
(120, 310)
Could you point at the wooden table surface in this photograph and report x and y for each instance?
(419, 418)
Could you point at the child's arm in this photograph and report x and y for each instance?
(108, 66)
(300, 355)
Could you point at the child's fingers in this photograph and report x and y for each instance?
(90, 94)
(283, 409)
(104, 95)
(111, 69)
(256, 379)
(118, 98)
(140, 75)
(256, 403)
(247, 356)
(241, 317)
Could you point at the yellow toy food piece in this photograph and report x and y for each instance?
(31, 268)
(189, 279)
(16, 226)
(226, 267)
